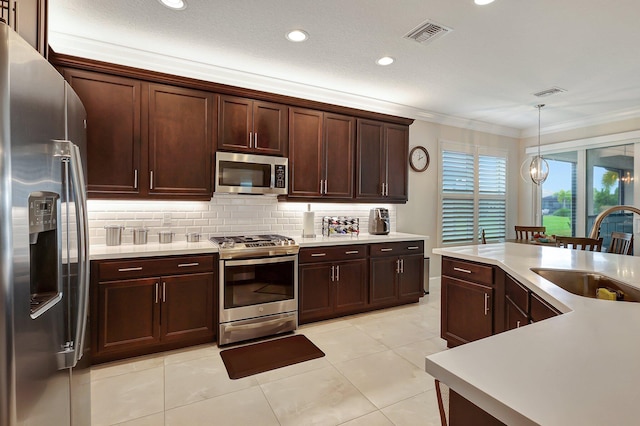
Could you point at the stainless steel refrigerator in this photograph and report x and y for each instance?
(44, 268)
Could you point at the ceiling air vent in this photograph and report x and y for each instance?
(427, 31)
(549, 92)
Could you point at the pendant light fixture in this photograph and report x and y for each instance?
(539, 169)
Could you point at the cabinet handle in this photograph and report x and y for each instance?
(186, 265)
(413, 248)
(486, 304)
(352, 252)
(156, 293)
(382, 189)
(397, 266)
(255, 140)
(386, 189)
(338, 273)
(318, 254)
(466, 271)
(135, 179)
(402, 266)
(151, 179)
(333, 276)
(518, 324)
(386, 249)
(320, 186)
(164, 291)
(325, 186)
(137, 268)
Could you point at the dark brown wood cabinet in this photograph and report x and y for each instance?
(321, 154)
(467, 310)
(382, 158)
(397, 273)
(332, 282)
(140, 306)
(252, 126)
(113, 106)
(29, 18)
(180, 142)
(480, 300)
(145, 140)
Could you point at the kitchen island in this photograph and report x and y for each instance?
(580, 367)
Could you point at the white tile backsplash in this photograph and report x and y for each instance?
(223, 215)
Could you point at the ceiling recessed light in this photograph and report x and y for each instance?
(385, 60)
(174, 4)
(482, 2)
(297, 35)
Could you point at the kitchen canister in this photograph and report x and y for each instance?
(114, 234)
(192, 237)
(165, 237)
(140, 235)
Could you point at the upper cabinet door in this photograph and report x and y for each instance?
(371, 161)
(397, 152)
(180, 141)
(234, 123)
(339, 155)
(252, 126)
(270, 131)
(113, 131)
(305, 152)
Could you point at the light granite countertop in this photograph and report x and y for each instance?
(123, 251)
(579, 368)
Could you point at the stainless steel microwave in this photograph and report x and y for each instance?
(251, 174)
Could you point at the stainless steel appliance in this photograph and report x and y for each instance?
(44, 264)
(379, 222)
(251, 174)
(258, 286)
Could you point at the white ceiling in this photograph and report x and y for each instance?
(481, 75)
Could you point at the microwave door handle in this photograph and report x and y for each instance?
(80, 200)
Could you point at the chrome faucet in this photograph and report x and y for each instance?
(595, 230)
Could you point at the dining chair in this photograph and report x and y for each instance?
(526, 232)
(580, 243)
(442, 394)
(483, 237)
(621, 243)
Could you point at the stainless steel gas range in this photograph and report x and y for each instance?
(258, 286)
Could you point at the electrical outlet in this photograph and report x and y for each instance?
(166, 219)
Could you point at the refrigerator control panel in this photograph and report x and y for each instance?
(43, 212)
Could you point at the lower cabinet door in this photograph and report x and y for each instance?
(187, 307)
(128, 314)
(384, 272)
(514, 317)
(467, 311)
(411, 284)
(350, 285)
(315, 298)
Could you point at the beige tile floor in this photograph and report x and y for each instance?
(372, 374)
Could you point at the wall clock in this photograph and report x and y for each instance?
(419, 158)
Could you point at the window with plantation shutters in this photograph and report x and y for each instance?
(474, 194)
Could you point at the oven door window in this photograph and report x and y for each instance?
(249, 175)
(254, 284)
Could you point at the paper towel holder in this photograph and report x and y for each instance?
(307, 223)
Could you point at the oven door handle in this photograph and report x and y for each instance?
(260, 324)
(260, 260)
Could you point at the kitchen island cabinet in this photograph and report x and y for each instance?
(321, 154)
(551, 388)
(382, 157)
(141, 306)
(251, 126)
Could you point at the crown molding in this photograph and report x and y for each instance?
(107, 52)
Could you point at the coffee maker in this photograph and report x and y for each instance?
(379, 223)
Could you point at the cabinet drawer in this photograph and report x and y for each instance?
(517, 293)
(468, 271)
(121, 269)
(333, 253)
(397, 249)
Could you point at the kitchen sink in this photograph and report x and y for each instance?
(583, 283)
